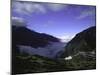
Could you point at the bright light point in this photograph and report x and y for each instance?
(68, 58)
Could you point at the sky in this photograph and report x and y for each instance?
(63, 21)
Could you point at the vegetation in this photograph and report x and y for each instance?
(38, 64)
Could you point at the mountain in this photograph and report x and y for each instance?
(24, 36)
(84, 41)
(81, 49)
(37, 50)
(29, 42)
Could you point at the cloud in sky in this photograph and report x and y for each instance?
(86, 13)
(31, 7)
(27, 8)
(17, 21)
(56, 7)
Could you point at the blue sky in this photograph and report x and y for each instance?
(60, 20)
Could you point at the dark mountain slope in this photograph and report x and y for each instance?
(24, 36)
(84, 41)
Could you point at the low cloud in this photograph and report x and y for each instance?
(17, 21)
(66, 38)
(52, 50)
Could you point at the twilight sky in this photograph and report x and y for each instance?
(60, 20)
